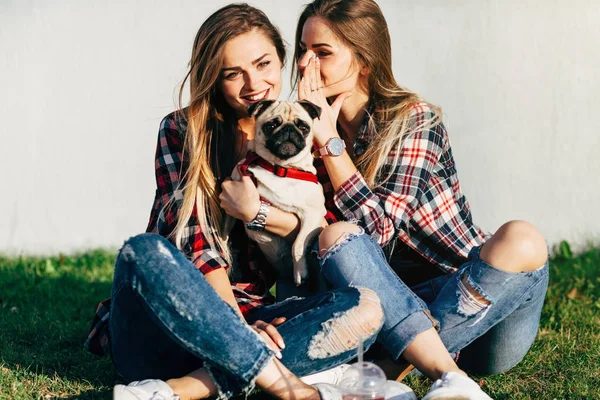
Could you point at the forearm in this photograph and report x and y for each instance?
(357, 201)
(219, 281)
(339, 169)
(283, 223)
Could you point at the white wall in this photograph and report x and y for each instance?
(84, 85)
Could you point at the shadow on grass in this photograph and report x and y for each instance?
(46, 307)
(93, 395)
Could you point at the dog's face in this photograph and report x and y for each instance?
(283, 129)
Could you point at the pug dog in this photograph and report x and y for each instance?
(282, 166)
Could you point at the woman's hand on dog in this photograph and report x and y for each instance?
(270, 334)
(309, 88)
(240, 199)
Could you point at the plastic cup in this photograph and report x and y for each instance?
(363, 381)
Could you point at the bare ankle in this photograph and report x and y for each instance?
(290, 387)
(196, 385)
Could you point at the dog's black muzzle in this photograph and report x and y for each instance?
(286, 142)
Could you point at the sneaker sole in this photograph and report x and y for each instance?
(121, 393)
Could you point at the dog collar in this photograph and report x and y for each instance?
(254, 159)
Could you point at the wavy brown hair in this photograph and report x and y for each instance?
(361, 26)
(211, 123)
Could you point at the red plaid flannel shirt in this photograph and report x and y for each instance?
(421, 204)
(256, 273)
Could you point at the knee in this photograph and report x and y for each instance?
(139, 244)
(335, 233)
(369, 310)
(517, 246)
(139, 252)
(346, 330)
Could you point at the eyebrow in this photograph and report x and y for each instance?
(259, 59)
(315, 45)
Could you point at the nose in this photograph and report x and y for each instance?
(303, 61)
(288, 128)
(251, 80)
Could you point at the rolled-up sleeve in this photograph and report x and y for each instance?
(387, 209)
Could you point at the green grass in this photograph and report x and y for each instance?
(46, 306)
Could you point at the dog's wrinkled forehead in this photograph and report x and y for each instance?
(287, 110)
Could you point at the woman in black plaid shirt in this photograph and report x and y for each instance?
(460, 289)
(177, 319)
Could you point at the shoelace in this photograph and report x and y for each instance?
(442, 382)
(446, 381)
(159, 395)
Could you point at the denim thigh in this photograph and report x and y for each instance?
(358, 260)
(491, 337)
(166, 320)
(310, 345)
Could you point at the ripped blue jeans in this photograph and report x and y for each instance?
(167, 321)
(491, 336)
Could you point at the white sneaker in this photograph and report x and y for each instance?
(328, 392)
(393, 391)
(455, 386)
(148, 389)
(398, 391)
(333, 376)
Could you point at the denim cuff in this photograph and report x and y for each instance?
(401, 335)
(229, 385)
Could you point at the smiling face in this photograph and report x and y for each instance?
(251, 71)
(340, 71)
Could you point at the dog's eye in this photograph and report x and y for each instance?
(269, 127)
(303, 126)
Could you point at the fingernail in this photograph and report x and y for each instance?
(281, 344)
(278, 355)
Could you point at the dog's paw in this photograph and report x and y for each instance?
(300, 273)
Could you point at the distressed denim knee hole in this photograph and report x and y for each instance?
(324, 254)
(128, 253)
(471, 299)
(344, 330)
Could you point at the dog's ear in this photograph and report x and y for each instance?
(312, 109)
(255, 109)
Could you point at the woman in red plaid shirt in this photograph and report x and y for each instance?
(177, 319)
(389, 160)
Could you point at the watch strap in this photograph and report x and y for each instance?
(320, 152)
(260, 221)
(325, 150)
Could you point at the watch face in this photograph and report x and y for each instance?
(336, 146)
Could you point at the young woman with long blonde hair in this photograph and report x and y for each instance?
(449, 287)
(179, 325)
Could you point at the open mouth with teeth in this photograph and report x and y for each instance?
(256, 97)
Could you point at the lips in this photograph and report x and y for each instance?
(256, 97)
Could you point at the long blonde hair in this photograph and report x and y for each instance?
(209, 151)
(361, 26)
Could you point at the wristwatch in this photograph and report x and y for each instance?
(334, 147)
(260, 221)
